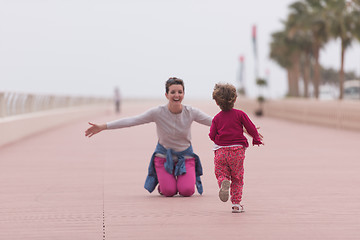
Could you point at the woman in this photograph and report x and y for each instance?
(173, 164)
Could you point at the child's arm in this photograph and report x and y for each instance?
(251, 129)
(246, 132)
(213, 131)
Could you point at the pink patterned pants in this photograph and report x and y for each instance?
(229, 165)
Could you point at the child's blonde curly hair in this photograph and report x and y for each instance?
(224, 96)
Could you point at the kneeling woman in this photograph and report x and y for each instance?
(173, 165)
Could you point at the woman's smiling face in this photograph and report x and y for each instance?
(175, 94)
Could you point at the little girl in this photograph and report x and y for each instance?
(227, 133)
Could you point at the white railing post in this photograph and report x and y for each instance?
(2, 104)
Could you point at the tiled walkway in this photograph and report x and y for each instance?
(303, 184)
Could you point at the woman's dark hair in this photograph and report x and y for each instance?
(225, 96)
(174, 81)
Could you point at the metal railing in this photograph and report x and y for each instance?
(14, 103)
(343, 114)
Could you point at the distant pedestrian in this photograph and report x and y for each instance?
(117, 99)
(227, 132)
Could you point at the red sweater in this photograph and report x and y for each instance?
(227, 129)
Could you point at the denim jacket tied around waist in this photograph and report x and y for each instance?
(179, 169)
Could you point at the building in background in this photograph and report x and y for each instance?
(352, 89)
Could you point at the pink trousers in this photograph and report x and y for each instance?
(229, 165)
(170, 185)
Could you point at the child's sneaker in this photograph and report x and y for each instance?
(224, 190)
(237, 208)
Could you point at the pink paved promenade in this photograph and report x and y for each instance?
(303, 184)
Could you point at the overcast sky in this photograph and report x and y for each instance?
(87, 47)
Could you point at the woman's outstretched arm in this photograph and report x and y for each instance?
(94, 129)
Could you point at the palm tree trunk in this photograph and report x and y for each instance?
(289, 73)
(293, 82)
(306, 75)
(341, 75)
(293, 76)
(316, 72)
(296, 68)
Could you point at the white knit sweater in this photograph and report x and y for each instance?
(173, 130)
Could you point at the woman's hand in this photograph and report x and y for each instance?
(94, 129)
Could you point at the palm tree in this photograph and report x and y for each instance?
(293, 44)
(354, 5)
(307, 30)
(344, 23)
(279, 52)
(317, 25)
(294, 54)
(305, 34)
(297, 26)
